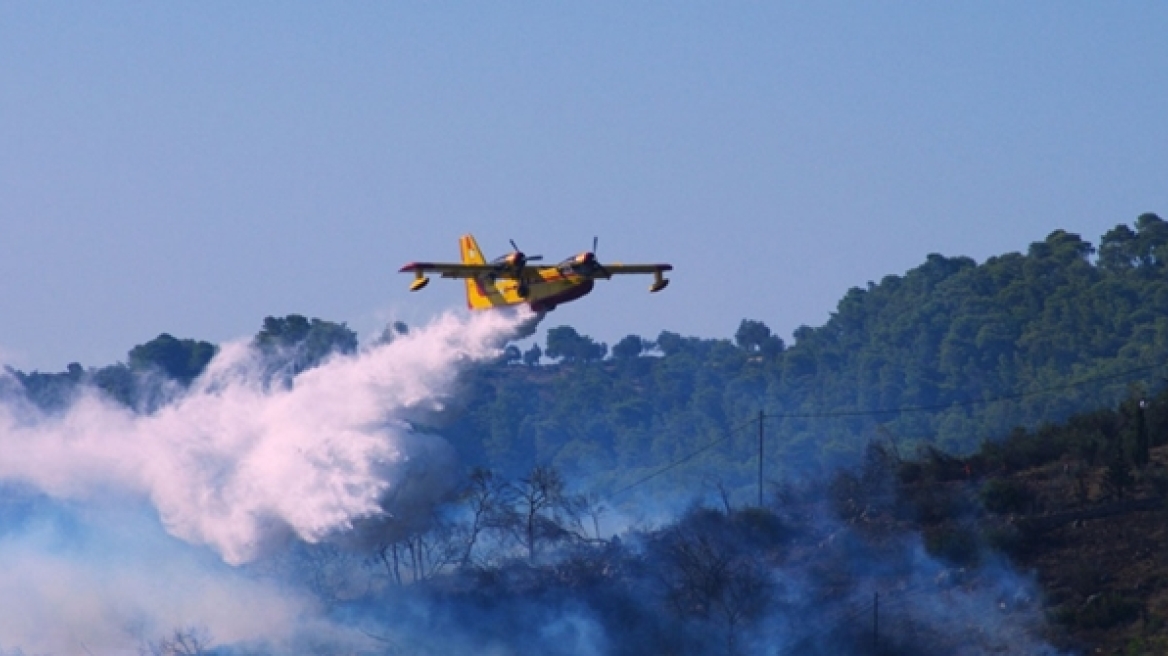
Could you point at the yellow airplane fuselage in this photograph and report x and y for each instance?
(545, 291)
(545, 287)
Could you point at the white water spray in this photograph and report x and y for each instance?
(235, 463)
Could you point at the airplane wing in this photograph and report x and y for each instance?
(659, 280)
(617, 269)
(451, 270)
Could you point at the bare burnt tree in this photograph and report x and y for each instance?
(542, 511)
(485, 496)
(723, 493)
(421, 555)
(390, 556)
(191, 641)
(433, 550)
(332, 573)
(707, 576)
(593, 507)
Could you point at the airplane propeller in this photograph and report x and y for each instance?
(518, 260)
(595, 262)
(522, 257)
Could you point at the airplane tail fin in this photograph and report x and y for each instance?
(470, 250)
(477, 290)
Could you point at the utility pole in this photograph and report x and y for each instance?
(1142, 444)
(760, 454)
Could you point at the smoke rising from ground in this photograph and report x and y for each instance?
(234, 509)
(106, 577)
(238, 463)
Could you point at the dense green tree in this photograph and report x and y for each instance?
(52, 391)
(565, 343)
(1118, 251)
(180, 359)
(628, 348)
(755, 337)
(297, 343)
(392, 332)
(1152, 241)
(532, 356)
(670, 343)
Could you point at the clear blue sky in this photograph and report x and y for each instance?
(193, 167)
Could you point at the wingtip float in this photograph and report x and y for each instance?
(511, 280)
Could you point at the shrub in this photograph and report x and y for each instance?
(1101, 611)
(956, 545)
(1007, 539)
(1003, 496)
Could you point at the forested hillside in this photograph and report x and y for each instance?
(952, 353)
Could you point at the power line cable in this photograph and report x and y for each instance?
(686, 458)
(860, 413)
(966, 403)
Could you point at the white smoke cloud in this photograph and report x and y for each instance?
(105, 579)
(235, 464)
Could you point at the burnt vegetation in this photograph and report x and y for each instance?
(904, 555)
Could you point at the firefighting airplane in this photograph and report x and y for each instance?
(510, 280)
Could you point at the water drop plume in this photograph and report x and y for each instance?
(238, 461)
